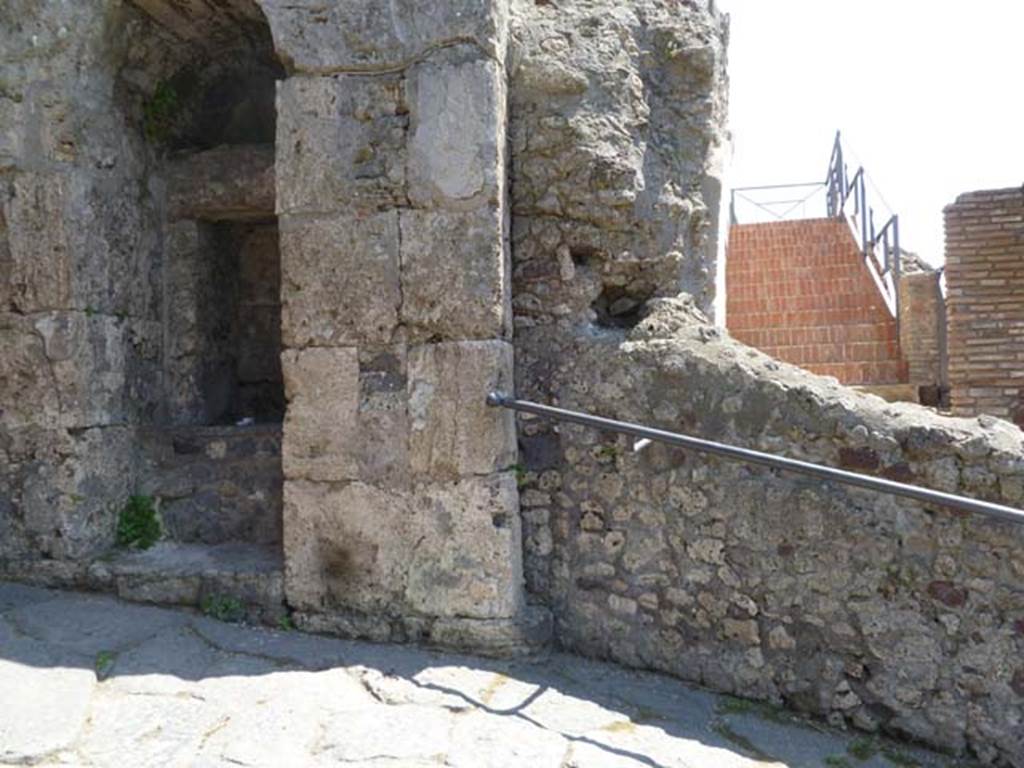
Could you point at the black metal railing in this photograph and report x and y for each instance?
(735, 453)
(847, 196)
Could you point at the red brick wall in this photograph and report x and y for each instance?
(985, 300)
(922, 327)
(799, 291)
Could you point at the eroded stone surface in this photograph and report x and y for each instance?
(341, 143)
(320, 431)
(437, 549)
(366, 36)
(457, 132)
(340, 279)
(453, 432)
(454, 282)
(162, 687)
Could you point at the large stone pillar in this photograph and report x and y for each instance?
(401, 506)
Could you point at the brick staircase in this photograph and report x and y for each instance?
(801, 292)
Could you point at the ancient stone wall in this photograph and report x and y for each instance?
(872, 611)
(401, 506)
(610, 205)
(985, 281)
(113, 313)
(79, 280)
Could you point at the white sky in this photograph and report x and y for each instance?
(928, 94)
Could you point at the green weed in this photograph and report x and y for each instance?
(138, 526)
(158, 112)
(223, 608)
(862, 749)
(104, 663)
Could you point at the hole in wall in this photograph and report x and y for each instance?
(618, 307)
(584, 255)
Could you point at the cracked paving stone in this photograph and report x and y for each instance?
(174, 662)
(89, 624)
(14, 596)
(183, 690)
(481, 740)
(279, 721)
(146, 730)
(293, 648)
(400, 732)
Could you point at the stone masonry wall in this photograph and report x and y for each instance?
(610, 206)
(88, 299)
(985, 281)
(859, 607)
(401, 506)
(79, 280)
(879, 612)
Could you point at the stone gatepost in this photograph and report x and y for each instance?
(401, 508)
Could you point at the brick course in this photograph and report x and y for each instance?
(985, 300)
(922, 327)
(799, 291)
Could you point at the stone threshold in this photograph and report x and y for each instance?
(236, 577)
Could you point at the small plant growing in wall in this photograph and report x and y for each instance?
(138, 527)
(158, 112)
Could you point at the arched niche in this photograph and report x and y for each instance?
(202, 77)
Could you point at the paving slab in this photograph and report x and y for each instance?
(92, 682)
(16, 595)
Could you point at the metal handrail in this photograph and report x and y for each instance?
(735, 453)
(841, 187)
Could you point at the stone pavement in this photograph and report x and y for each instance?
(86, 680)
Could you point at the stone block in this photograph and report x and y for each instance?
(453, 432)
(347, 418)
(88, 360)
(321, 427)
(13, 120)
(40, 277)
(101, 369)
(454, 274)
(28, 391)
(340, 279)
(80, 241)
(340, 143)
(382, 447)
(316, 36)
(457, 134)
(467, 558)
(439, 549)
(72, 487)
(227, 182)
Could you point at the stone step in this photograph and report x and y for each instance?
(182, 446)
(230, 581)
(214, 485)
